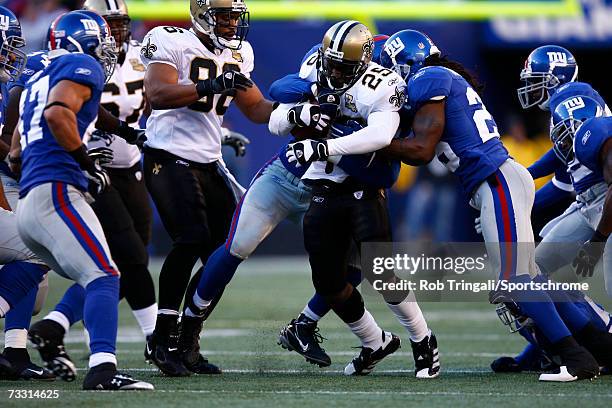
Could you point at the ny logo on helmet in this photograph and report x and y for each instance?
(394, 47)
(4, 22)
(559, 58)
(572, 104)
(90, 25)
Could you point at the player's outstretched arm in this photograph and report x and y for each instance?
(427, 127)
(253, 105)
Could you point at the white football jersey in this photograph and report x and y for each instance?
(123, 96)
(377, 90)
(192, 132)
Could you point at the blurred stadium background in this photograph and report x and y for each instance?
(492, 38)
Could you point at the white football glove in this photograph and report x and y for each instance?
(308, 115)
(307, 151)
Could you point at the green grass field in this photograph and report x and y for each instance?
(241, 337)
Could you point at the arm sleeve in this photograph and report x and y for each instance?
(84, 70)
(430, 84)
(548, 195)
(290, 89)
(278, 123)
(378, 134)
(157, 47)
(546, 165)
(370, 169)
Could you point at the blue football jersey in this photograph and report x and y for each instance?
(470, 145)
(37, 61)
(589, 140)
(44, 160)
(582, 177)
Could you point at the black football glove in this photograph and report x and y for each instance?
(329, 103)
(98, 179)
(101, 155)
(307, 151)
(227, 81)
(308, 115)
(131, 135)
(589, 254)
(237, 141)
(95, 174)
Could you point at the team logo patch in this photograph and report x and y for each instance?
(202, 3)
(318, 199)
(398, 98)
(148, 49)
(358, 195)
(156, 168)
(586, 136)
(138, 175)
(349, 102)
(82, 71)
(137, 65)
(393, 81)
(237, 56)
(5, 21)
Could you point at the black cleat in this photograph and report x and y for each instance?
(47, 337)
(5, 366)
(164, 354)
(576, 362)
(23, 368)
(426, 358)
(105, 377)
(302, 336)
(189, 347)
(365, 362)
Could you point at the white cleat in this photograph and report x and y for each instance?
(562, 376)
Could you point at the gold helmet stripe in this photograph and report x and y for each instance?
(341, 33)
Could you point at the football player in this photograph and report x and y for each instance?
(192, 76)
(12, 250)
(451, 122)
(535, 357)
(54, 219)
(580, 125)
(123, 209)
(550, 75)
(343, 210)
(300, 334)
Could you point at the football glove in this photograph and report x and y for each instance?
(98, 179)
(308, 115)
(307, 151)
(237, 141)
(227, 81)
(329, 103)
(589, 254)
(131, 135)
(101, 155)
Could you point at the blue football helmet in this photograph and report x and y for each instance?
(405, 52)
(546, 68)
(80, 33)
(12, 59)
(567, 118)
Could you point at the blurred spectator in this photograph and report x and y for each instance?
(36, 16)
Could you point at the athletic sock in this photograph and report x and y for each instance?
(368, 331)
(538, 305)
(219, 270)
(16, 280)
(72, 303)
(411, 317)
(19, 317)
(146, 318)
(101, 317)
(15, 338)
(60, 319)
(318, 307)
